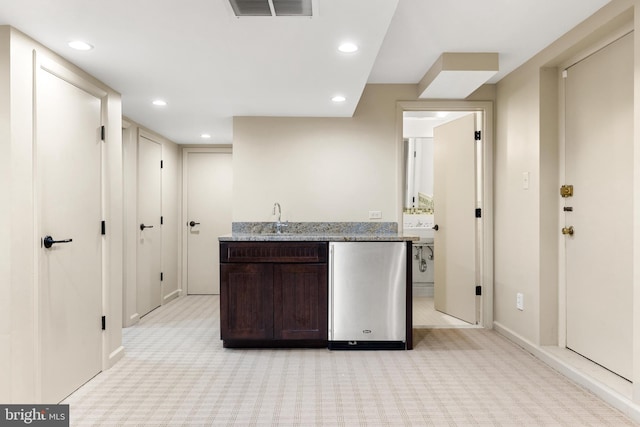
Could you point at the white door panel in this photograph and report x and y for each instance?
(599, 156)
(70, 274)
(148, 284)
(454, 200)
(208, 193)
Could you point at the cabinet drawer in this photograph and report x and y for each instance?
(287, 252)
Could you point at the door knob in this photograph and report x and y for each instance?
(142, 227)
(48, 241)
(193, 224)
(435, 227)
(568, 230)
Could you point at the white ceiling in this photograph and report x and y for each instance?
(210, 66)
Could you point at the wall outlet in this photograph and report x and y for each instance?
(375, 214)
(520, 301)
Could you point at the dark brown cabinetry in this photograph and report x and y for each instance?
(273, 294)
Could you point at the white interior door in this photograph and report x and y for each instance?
(599, 165)
(149, 254)
(208, 216)
(70, 274)
(454, 200)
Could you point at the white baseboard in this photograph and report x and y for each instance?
(115, 356)
(173, 295)
(623, 403)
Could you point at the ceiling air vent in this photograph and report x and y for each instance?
(272, 7)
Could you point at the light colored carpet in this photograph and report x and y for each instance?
(426, 316)
(175, 372)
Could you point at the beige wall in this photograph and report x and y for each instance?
(320, 169)
(20, 318)
(171, 212)
(528, 137)
(5, 220)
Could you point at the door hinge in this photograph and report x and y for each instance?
(104, 323)
(103, 228)
(102, 132)
(161, 164)
(161, 276)
(478, 213)
(477, 135)
(478, 290)
(161, 220)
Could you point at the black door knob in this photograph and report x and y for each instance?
(193, 224)
(142, 227)
(435, 227)
(48, 241)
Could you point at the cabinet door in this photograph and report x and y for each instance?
(300, 301)
(246, 301)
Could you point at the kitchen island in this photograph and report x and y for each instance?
(274, 287)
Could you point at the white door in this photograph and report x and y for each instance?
(599, 165)
(149, 255)
(454, 201)
(208, 216)
(68, 162)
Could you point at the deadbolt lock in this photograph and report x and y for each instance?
(566, 191)
(568, 230)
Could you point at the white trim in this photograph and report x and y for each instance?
(226, 149)
(486, 107)
(604, 392)
(115, 356)
(170, 297)
(58, 70)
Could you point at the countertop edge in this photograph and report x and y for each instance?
(264, 237)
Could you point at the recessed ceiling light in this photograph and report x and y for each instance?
(338, 98)
(80, 45)
(160, 102)
(348, 47)
(205, 136)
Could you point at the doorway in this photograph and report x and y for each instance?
(599, 167)
(70, 256)
(455, 240)
(149, 212)
(207, 190)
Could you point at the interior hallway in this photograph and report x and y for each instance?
(175, 372)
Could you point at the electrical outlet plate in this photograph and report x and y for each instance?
(375, 215)
(520, 301)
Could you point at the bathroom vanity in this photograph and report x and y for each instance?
(274, 287)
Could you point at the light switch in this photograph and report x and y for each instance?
(525, 180)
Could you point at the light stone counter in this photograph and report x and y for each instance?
(316, 232)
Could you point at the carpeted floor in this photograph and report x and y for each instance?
(176, 373)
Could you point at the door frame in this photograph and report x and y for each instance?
(153, 139)
(223, 149)
(561, 91)
(55, 68)
(485, 248)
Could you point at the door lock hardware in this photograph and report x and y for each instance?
(568, 209)
(142, 227)
(193, 224)
(568, 230)
(48, 241)
(435, 227)
(566, 191)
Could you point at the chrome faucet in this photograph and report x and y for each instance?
(279, 224)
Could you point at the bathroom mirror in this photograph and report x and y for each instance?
(417, 130)
(419, 174)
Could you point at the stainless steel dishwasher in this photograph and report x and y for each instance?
(367, 295)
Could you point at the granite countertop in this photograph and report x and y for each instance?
(317, 231)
